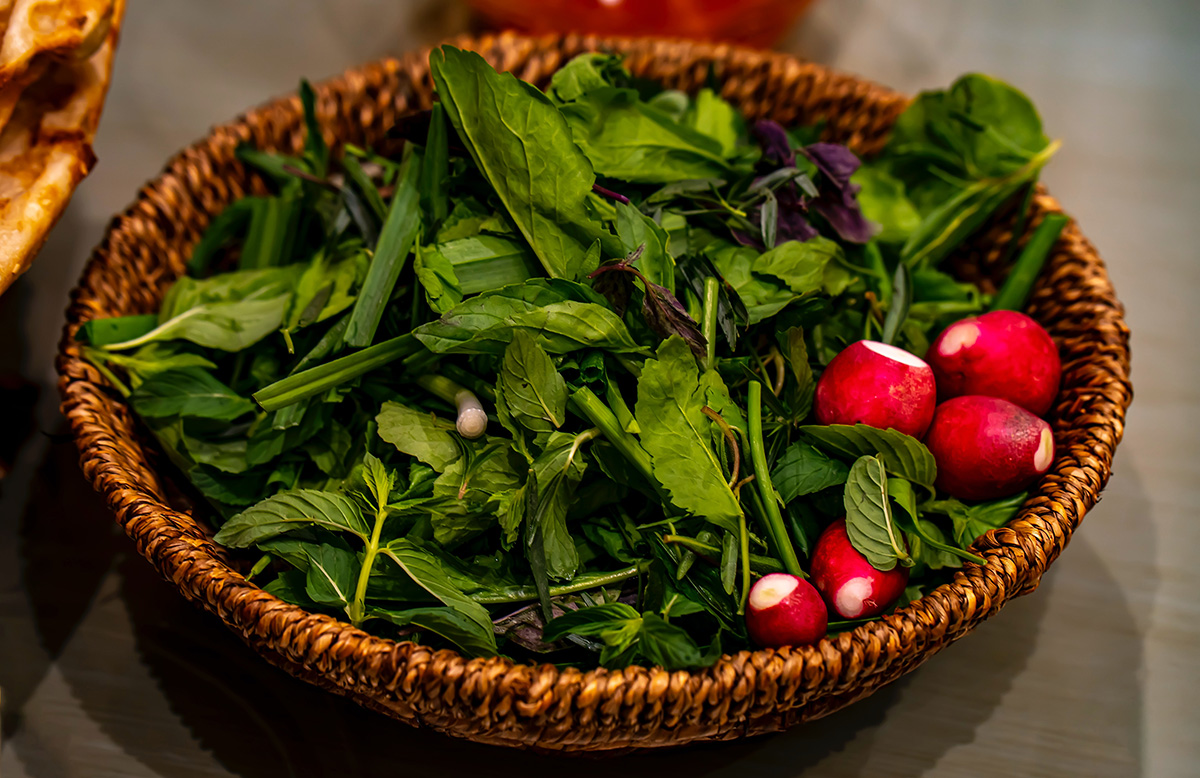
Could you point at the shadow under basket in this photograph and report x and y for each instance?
(540, 706)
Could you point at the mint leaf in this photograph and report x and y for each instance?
(535, 393)
(869, 522)
(189, 391)
(331, 575)
(419, 434)
(803, 470)
(903, 455)
(292, 511)
(446, 622)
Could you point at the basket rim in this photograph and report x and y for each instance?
(1021, 550)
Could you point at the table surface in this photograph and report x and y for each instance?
(106, 671)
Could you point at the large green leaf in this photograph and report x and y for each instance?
(188, 391)
(291, 511)
(676, 433)
(522, 146)
(418, 434)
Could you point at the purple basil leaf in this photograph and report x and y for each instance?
(774, 141)
(746, 239)
(667, 317)
(792, 223)
(616, 285)
(836, 201)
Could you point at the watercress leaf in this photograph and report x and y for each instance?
(423, 568)
(332, 572)
(803, 470)
(869, 523)
(444, 622)
(800, 266)
(902, 454)
(630, 140)
(188, 391)
(291, 511)
(419, 434)
(676, 434)
(534, 391)
(591, 621)
(884, 202)
(522, 146)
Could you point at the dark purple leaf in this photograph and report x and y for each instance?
(746, 239)
(836, 201)
(774, 141)
(792, 223)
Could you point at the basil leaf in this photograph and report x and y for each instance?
(419, 434)
(667, 645)
(423, 568)
(803, 470)
(228, 456)
(332, 572)
(902, 454)
(291, 511)
(445, 622)
(189, 391)
(103, 332)
(231, 490)
(230, 326)
(535, 392)
(869, 523)
(590, 622)
(522, 146)
(676, 433)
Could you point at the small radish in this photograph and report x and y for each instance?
(853, 588)
(987, 448)
(1001, 354)
(878, 385)
(785, 610)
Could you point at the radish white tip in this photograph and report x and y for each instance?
(958, 337)
(1045, 451)
(895, 354)
(851, 597)
(771, 590)
(472, 422)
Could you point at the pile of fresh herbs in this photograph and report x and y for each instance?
(639, 289)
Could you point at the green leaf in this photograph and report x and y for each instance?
(423, 568)
(628, 139)
(803, 470)
(325, 288)
(322, 378)
(869, 522)
(436, 275)
(445, 622)
(226, 227)
(898, 306)
(559, 470)
(713, 116)
(676, 433)
(801, 266)
(762, 296)
(973, 521)
(902, 454)
(331, 575)
(104, 332)
(483, 262)
(563, 316)
(634, 228)
(395, 244)
(590, 622)
(522, 146)
(535, 393)
(291, 511)
(231, 490)
(228, 455)
(585, 73)
(667, 645)
(729, 561)
(189, 391)
(435, 169)
(230, 326)
(795, 351)
(289, 586)
(419, 434)
(882, 198)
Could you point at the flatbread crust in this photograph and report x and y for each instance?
(45, 147)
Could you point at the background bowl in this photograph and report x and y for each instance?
(496, 700)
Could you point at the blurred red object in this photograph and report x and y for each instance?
(752, 22)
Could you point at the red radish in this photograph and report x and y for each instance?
(853, 588)
(879, 385)
(1001, 354)
(785, 610)
(987, 448)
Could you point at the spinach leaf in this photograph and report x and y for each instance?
(522, 146)
(901, 454)
(291, 511)
(803, 470)
(675, 432)
(533, 389)
(713, 116)
(188, 391)
(419, 434)
(869, 522)
(104, 332)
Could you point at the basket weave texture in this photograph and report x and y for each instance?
(496, 700)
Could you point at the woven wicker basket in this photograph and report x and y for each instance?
(495, 700)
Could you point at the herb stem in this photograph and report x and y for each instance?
(358, 607)
(98, 363)
(586, 403)
(712, 554)
(321, 378)
(1015, 291)
(709, 325)
(747, 560)
(580, 584)
(758, 457)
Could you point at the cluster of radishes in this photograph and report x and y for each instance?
(976, 401)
